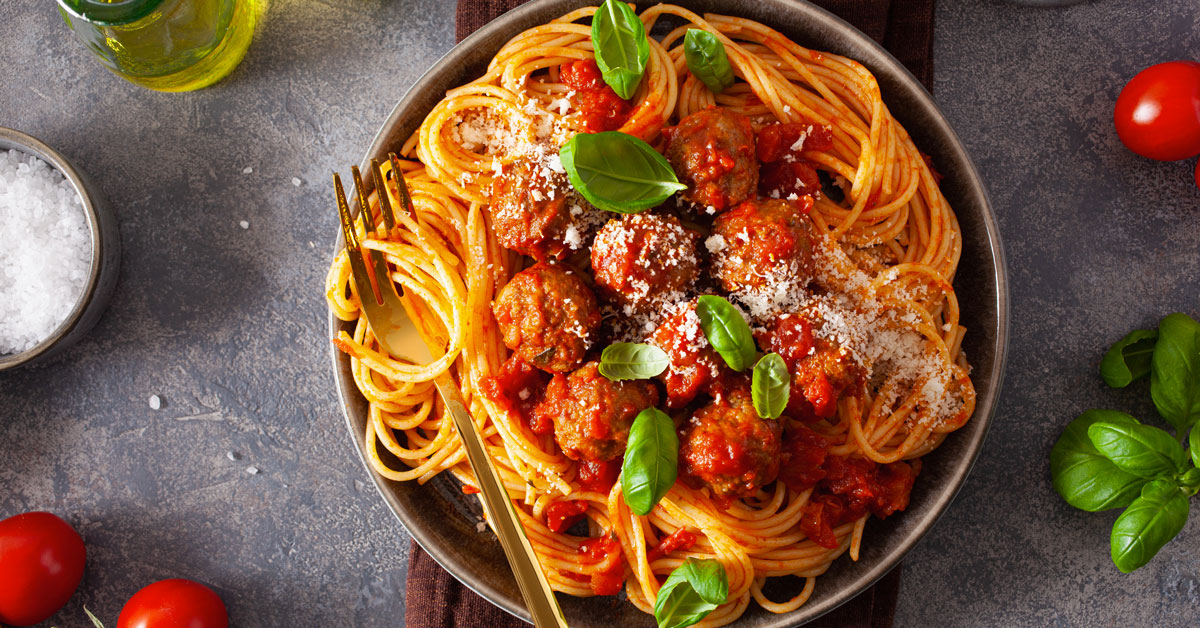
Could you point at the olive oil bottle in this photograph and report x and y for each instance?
(166, 45)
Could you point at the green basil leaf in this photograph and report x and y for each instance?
(622, 49)
(632, 360)
(1154, 518)
(1082, 476)
(1194, 444)
(690, 593)
(1189, 481)
(1175, 371)
(1143, 450)
(1129, 359)
(651, 460)
(618, 172)
(770, 386)
(706, 59)
(726, 330)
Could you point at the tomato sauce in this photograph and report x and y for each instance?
(783, 171)
(680, 539)
(599, 107)
(517, 388)
(598, 476)
(851, 488)
(607, 566)
(560, 516)
(802, 457)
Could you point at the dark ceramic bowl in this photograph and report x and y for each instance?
(106, 255)
(443, 522)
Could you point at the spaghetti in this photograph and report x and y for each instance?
(885, 248)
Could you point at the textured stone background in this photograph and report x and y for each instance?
(226, 324)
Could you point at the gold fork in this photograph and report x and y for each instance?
(390, 317)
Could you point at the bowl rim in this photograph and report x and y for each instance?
(986, 406)
(25, 143)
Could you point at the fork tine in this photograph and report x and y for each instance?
(401, 185)
(344, 214)
(368, 218)
(385, 200)
(358, 270)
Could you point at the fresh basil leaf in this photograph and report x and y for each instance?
(726, 330)
(1175, 371)
(706, 59)
(1082, 476)
(690, 593)
(622, 49)
(618, 172)
(1143, 450)
(1194, 444)
(632, 360)
(770, 386)
(1129, 359)
(1154, 518)
(651, 460)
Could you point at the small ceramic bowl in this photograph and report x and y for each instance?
(106, 255)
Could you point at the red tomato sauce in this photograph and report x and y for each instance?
(560, 516)
(851, 488)
(680, 539)
(783, 171)
(599, 107)
(517, 388)
(607, 567)
(598, 476)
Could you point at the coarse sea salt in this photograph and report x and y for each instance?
(45, 250)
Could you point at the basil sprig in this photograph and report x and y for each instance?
(690, 593)
(1175, 371)
(632, 360)
(651, 460)
(621, 47)
(1129, 359)
(726, 330)
(706, 59)
(618, 172)
(1107, 459)
(770, 386)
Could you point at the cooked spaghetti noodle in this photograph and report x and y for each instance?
(886, 247)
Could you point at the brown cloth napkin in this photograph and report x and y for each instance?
(434, 598)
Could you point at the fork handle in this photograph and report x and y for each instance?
(543, 607)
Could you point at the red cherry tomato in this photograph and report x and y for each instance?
(41, 563)
(174, 603)
(1158, 112)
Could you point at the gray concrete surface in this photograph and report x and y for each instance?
(226, 324)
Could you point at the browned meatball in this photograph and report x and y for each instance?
(694, 363)
(547, 314)
(761, 243)
(729, 449)
(535, 211)
(642, 261)
(712, 151)
(591, 413)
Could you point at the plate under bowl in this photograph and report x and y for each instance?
(438, 517)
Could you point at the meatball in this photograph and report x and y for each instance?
(535, 211)
(762, 244)
(694, 363)
(729, 449)
(591, 413)
(547, 314)
(712, 151)
(821, 368)
(641, 261)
